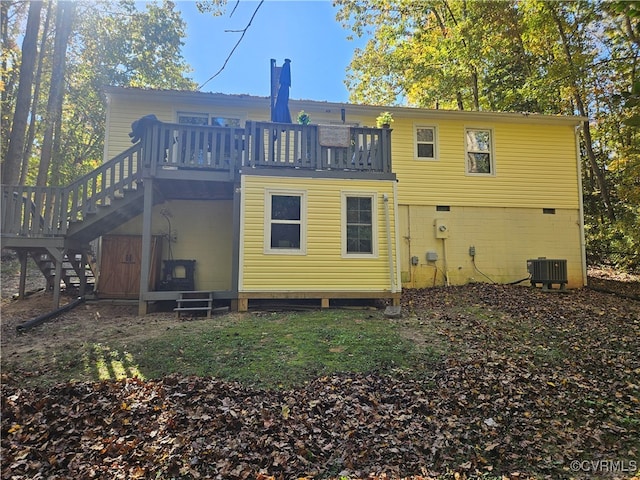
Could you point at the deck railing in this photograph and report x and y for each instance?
(47, 211)
(266, 144)
(172, 145)
(32, 211)
(318, 147)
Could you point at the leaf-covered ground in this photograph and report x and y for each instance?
(532, 383)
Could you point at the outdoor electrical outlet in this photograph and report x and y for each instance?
(472, 251)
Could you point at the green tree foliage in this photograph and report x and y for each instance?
(111, 43)
(566, 57)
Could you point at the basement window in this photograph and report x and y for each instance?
(549, 211)
(285, 215)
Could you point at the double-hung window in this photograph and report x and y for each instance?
(285, 215)
(425, 143)
(359, 224)
(479, 151)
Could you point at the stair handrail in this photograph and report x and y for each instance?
(28, 210)
(101, 185)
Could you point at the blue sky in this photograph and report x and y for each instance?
(304, 31)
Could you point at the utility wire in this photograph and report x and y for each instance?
(244, 30)
(475, 267)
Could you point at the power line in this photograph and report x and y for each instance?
(244, 30)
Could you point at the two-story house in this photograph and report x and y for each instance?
(215, 198)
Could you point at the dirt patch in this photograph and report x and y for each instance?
(89, 322)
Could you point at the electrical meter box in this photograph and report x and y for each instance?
(442, 228)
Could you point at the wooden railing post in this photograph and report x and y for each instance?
(385, 150)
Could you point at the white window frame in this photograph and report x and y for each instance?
(201, 115)
(269, 194)
(210, 117)
(416, 142)
(491, 152)
(374, 224)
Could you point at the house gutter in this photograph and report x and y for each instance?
(583, 243)
(392, 276)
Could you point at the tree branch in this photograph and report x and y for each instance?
(244, 30)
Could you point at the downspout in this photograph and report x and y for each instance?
(392, 276)
(583, 243)
(446, 263)
(396, 216)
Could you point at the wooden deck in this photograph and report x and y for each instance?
(191, 153)
(171, 159)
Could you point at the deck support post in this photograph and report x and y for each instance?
(235, 249)
(22, 256)
(58, 257)
(82, 274)
(145, 264)
(240, 304)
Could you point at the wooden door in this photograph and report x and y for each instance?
(120, 262)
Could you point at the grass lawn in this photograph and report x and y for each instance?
(264, 350)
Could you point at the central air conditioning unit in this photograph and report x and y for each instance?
(546, 271)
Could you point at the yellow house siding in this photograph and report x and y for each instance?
(203, 233)
(535, 165)
(504, 239)
(322, 268)
(125, 109)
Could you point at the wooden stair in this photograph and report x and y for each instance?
(195, 302)
(74, 266)
(105, 217)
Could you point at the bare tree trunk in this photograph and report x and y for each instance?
(588, 142)
(474, 87)
(56, 155)
(13, 161)
(24, 171)
(64, 21)
(9, 77)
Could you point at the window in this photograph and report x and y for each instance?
(425, 143)
(359, 232)
(186, 118)
(285, 218)
(190, 118)
(224, 122)
(479, 152)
